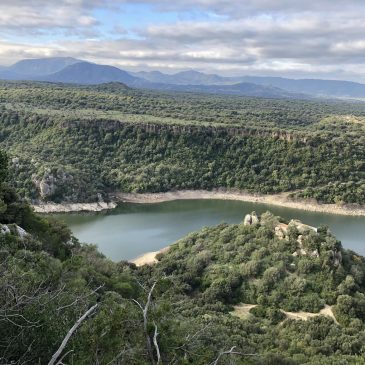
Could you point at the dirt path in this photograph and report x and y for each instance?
(243, 310)
(326, 311)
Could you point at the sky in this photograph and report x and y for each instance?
(290, 38)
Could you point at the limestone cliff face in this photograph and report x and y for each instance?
(50, 182)
(177, 129)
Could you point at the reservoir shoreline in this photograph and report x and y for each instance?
(281, 200)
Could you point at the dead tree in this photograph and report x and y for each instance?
(144, 310)
(57, 354)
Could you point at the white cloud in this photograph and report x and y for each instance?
(284, 37)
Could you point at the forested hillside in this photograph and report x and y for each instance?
(63, 302)
(73, 143)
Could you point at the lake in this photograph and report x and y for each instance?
(133, 229)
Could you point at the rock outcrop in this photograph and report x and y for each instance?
(301, 227)
(251, 219)
(50, 182)
(73, 207)
(13, 229)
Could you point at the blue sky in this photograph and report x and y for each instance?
(236, 37)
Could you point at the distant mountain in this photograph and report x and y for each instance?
(332, 88)
(184, 78)
(72, 70)
(313, 87)
(5, 74)
(90, 73)
(41, 66)
(244, 89)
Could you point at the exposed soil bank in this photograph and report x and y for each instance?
(72, 207)
(276, 199)
(148, 258)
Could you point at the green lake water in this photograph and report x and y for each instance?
(133, 229)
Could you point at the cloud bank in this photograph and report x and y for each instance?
(264, 37)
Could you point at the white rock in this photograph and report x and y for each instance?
(21, 232)
(251, 219)
(4, 229)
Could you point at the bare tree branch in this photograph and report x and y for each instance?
(59, 362)
(80, 298)
(77, 324)
(230, 352)
(155, 343)
(145, 321)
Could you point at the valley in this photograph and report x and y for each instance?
(182, 182)
(103, 148)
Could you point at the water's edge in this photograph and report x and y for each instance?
(281, 200)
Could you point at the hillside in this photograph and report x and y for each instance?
(58, 294)
(71, 143)
(89, 73)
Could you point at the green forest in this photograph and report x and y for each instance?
(63, 302)
(78, 144)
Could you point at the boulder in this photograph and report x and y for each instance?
(301, 227)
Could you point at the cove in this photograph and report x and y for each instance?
(131, 229)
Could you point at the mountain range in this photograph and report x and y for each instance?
(72, 70)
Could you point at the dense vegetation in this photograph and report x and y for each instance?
(49, 280)
(75, 143)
